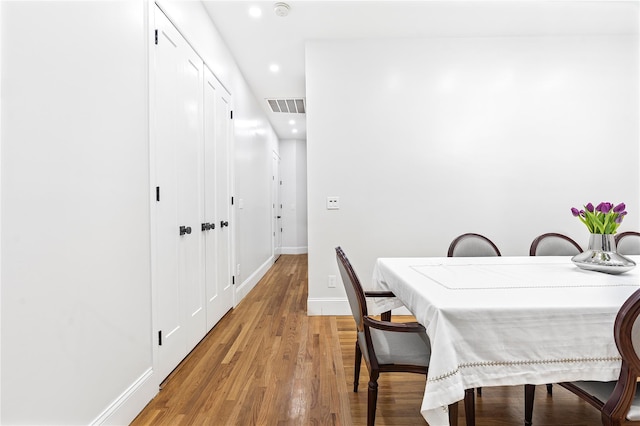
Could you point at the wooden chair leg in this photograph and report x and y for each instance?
(453, 414)
(479, 390)
(550, 389)
(529, 394)
(371, 402)
(608, 421)
(470, 407)
(356, 374)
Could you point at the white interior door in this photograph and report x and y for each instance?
(190, 265)
(180, 315)
(223, 143)
(276, 207)
(219, 292)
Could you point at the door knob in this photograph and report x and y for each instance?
(223, 223)
(185, 230)
(208, 226)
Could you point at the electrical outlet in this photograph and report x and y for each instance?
(332, 281)
(333, 203)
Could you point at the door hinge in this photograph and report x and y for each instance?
(232, 115)
(231, 200)
(233, 279)
(156, 36)
(157, 193)
(160, 338)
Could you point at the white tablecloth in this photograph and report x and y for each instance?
(507, 321)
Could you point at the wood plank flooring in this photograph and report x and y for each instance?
(268, 363)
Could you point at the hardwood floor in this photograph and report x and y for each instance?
(268, 363)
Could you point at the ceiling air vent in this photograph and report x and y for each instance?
(295, 106)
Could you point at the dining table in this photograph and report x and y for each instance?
(506, 320)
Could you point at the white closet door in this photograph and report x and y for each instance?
(219, 292)
(180, 318)
(223, 153)
(190, 264)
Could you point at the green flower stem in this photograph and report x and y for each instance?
(587, 224)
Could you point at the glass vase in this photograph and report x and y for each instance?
(601, 256)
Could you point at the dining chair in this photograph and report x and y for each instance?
(551, 244)
(618, 401)
(554, 244)
(472, 245)
(385, 346)
(548, 244)
(628, 242)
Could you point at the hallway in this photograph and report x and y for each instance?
(266, 362)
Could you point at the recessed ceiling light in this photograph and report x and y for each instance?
(294, 131)
(274, 67)
(292, 122)
(255, 12)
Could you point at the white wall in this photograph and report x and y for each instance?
(254, 156)
(76, 311)
(293, 195)
(254, 143)
(426, 139)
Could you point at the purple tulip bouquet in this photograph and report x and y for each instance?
(603, 219)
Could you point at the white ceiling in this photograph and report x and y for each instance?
(256, 43)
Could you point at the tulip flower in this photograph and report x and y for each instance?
(619, 208)
(603, 219)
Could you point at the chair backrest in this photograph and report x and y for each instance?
(472, 245)
(627, 331)
(554, 244)
(355, 294)
(628, 242)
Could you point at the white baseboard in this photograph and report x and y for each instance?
(247, 285)
(328, 306)
(132, 401)
(294, 250)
